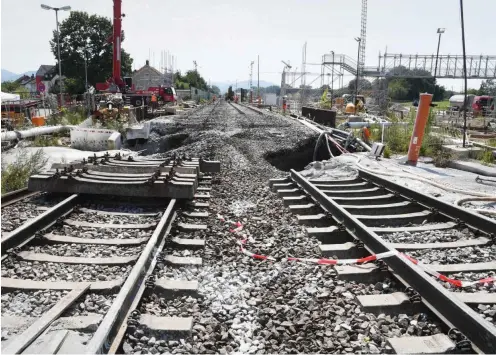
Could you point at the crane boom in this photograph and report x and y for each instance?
(116, 41)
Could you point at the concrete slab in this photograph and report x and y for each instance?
(309, 208)
(191, 227)
(280, 186)
(393, 303)
(314, 220)
(188, 243)
(473, 167)
(291, 200)
(289, 192)
(391, 208)
(469, 267)
(182, 260)
(75, 185)
(48, 343)
(394, 219)
(434, 344)
(439, 226)
(366, 200)
(16, 284)
(463, 153)
(175, 325)
(171, 287)
(346, 250)
(139, 131)
(475, 298)
(196, 214)
(41, 257)
(75, 343)
(446, 245)
(360, 273)
(85, 224)
(372, 192)
(114, 141)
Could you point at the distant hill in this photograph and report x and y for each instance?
(224, 85)
(9, 76)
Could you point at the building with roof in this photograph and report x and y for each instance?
(147, 76)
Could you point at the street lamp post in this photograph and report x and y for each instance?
(440, 31)
(56, 9)
(359, 40)
(332, 78)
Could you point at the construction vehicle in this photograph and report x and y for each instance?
(349, 101)
(118, 84)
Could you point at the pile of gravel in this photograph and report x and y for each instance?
(254, 306)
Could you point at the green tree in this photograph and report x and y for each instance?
(363, 84)
(398, 89)
(488, 87)
(215, 90)
(414, 81)
(79, 31)
(10, 86)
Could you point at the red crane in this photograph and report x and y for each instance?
(116, 83)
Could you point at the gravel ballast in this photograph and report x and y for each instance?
(41, 271)
(255, 306)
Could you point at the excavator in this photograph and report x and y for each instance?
(125, 86)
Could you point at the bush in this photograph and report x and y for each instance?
(46, 141)
(15, 176)
(387, 152)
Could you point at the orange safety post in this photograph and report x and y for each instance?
(419, 128)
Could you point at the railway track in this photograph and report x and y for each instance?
(84, 264)
(16, 196)
(416, 238)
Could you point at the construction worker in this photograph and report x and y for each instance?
(365, 134)
(154, 102)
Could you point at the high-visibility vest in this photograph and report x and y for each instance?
(154, 98)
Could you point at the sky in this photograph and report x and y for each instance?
(225, 36)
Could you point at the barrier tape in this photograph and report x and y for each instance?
(323, 261)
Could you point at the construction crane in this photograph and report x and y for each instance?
(124, 85)
(363, 33)
(283, 77)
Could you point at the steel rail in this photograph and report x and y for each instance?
(26, 232)
(17, 195)
(475, 220)
(236, 108)
(109, 327)
(447, 307)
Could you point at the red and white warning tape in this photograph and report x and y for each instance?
(323, 261)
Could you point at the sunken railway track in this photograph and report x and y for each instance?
(84, 264)
(371, 228)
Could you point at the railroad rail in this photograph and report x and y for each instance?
(354, 216)
(115, 252)
(16, 196)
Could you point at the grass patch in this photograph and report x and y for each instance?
(486, 157)
(46, 141)
(491, 142)
(15, 176)
(65, 117)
